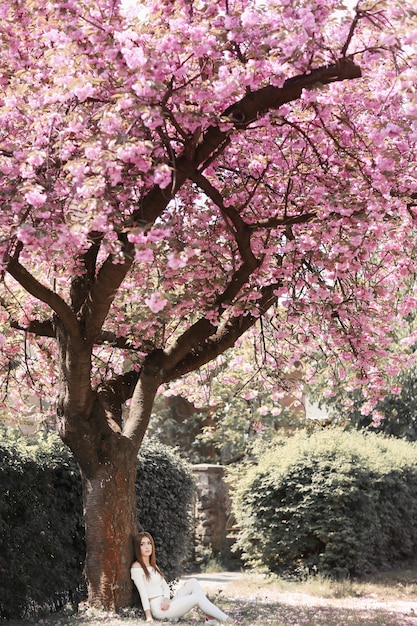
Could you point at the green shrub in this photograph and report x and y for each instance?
(41, 539)
(41, 525)
(164, 493)
(338, 503)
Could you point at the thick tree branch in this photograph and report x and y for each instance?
(251, 107)
(201, 343)
(110, 338)
(241, 230)
(289, 220)
(81, 285)
(258, 103)
(224, 338)
(36, 327)
(196, 334)
(45, 328)
(103, 291)
(121, 386)
(44, 294)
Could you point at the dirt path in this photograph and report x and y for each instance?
(255, 587)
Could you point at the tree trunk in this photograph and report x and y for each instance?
(106, 452)
(109, 499)
(107, 458)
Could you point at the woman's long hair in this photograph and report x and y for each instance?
(152, 559)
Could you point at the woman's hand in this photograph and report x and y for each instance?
(149, 619)
(165, 604)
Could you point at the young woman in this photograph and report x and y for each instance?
(154, 591)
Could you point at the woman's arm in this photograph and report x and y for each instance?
(165, 589)
(148, 615)
(138, 576)
(166, 592)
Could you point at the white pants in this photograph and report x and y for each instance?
(186, 598)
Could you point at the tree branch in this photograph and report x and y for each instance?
(39, 291)
(81, 285)
(103, 291)
(115, 392)
(258, 103)
(37, 327)
(241, 231)
(200, 332)
(241, 114)
(223, 339)
(272, 222)
(110, 338)
(203, 328)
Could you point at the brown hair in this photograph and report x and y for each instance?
(136, 548)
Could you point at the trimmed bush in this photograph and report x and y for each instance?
(41, 525)
(338, 503)
(41, 539)
(164, 490)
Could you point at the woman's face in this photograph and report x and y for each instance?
(145, 547)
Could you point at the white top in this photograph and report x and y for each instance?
(153, 587)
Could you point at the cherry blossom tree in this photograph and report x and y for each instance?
(170, 174)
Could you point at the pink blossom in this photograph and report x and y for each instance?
(93, 151)
(84, 91)
(145, 255)
(135, 57)
(250, 17)
(36, 158)
(156, 302)
(250, 395)
(162, 176)
(377, 419)
(26, 234)
(213, 317)
(177, 261)
(36, 197)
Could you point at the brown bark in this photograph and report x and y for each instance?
(107, 457)
(90, 426)
(109, 499)
(247, 110)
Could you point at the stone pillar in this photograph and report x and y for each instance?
(211, 509)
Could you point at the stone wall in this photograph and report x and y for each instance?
(211, 511)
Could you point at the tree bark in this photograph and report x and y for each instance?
(106, 452)
(109, 499)
(107, 463)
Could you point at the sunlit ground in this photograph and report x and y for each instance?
(254, 599)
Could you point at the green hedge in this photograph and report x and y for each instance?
(41, 526)
(338, 503)
(41, 539)
(164, 493)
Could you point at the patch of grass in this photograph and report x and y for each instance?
(319, 586)
(398, 583)
(213, 565)
(392, 585)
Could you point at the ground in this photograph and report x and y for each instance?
(253, 598)
(263, 588)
